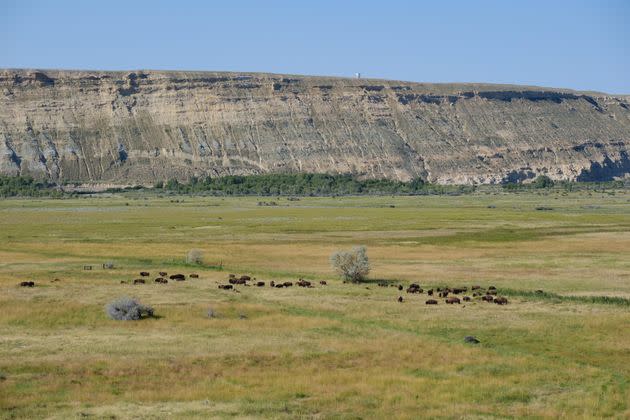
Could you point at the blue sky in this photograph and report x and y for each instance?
(575, 44)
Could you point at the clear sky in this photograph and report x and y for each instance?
(574, 44)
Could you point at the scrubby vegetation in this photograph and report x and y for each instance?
(353, 265)
(304, 185)
(194, 256)
(21, 186)
(128, 309)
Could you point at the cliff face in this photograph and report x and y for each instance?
(139, 127)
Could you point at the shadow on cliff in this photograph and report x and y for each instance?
(607, 170)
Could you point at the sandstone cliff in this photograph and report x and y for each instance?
(143, 126)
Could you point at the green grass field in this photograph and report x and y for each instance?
(335, 351)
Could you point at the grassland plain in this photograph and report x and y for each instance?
(342, 350)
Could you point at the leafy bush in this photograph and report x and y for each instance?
(301, 184)
(128, 309)
(194, 256)
(543, 181)
(353, 265)
(20, 186)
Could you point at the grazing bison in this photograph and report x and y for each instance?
(260, 283)
(443, 294)
(400, 287)
(452, 300)
(27, 284)
(501, 300)
(163, 273)
(194, 276)
(492, 288)
(400, 299)
(232, 276)
(178, 277)
(430, 292)
(323, 283)
(414, 288)
(237, 280)
(487, 298)
(279, 285)
(161, 280)
(246, 278)
(458, 290)
(272, 284)
(431, 302)
(466, 298)
(138, 281)
(476, 287)
(288, 284)
(145, 274)
(303, 283)
(225, 286)
(470, 339)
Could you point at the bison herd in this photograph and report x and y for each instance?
(245, 280)
(450, 295)
(162, 279)
(447, 293)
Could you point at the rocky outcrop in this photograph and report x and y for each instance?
(143, 126)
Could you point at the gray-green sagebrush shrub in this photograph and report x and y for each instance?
(194, 256)
(353, 265)
(128, 309)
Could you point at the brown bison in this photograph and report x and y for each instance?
(303, 283)
(237, 281)
(161, 280)
(452, 300)
(260, 283)
(430, 292)
(288, 284)
(246, 278)
(279, 285)
(466, 298)
(500, 300)
(492, 288)
(194, 276)
(323, 283)
(178, 277)
(231, 276)
(487, 298)
(225, 286)
(138, 281)
(475, 287)
(272, 283)
(145, 274)
(414, 288)
(400, 299)
(163, 273)
(27, 284)
(443, 294)
(431, 302)
(400, 287)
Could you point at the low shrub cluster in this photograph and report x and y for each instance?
(128, 309)
(21, 186)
